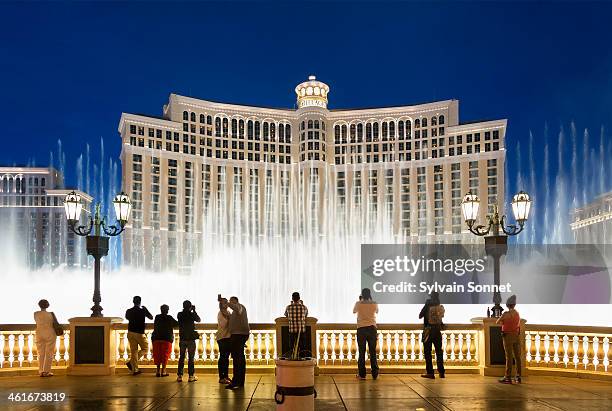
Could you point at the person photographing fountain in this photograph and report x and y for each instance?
(223, 337)
(366, 310)
(187, 338)
(511, 330)
(432, 314)
(239, 331)
(296, 313)
(136, 333)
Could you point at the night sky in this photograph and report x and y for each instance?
(68, 70)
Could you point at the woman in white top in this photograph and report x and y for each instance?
(223, 341)
(366, 310)
(45, 338)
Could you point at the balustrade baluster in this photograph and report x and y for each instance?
(206, 349)
(15, 351)
(609, 356)
(590, 354)
(410, 348)
(600, 354)
(582, 360)
(27, 362)
(330, 347)
(403, 346)
(353, 339)
(561, 351)
(321, 348)
(34, 350)
(62, 350)
(345, 348)
(395, 356)
(572, 353)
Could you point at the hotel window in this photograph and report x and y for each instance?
(434, 121)
(368, 132)
(441, 119)
(359, 133)
(225, 127)
(257, 130)
(217, 126)
(375, 131)
(424, 122)
(417, 123)
(185, 116)
(202, 118)
(234, 127)
(193, 117)
(132, 129)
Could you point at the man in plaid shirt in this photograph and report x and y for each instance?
(296, 312)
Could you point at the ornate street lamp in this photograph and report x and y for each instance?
(97, 244)
(496, 242)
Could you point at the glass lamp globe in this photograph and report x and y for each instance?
(521, 204)
(73, 206)
(470, 206)
(123, 206)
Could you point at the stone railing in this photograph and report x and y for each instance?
(399, 345)
(569, 348)
(260, 348)
(548, 348)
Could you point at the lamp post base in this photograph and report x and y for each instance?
(97, 247)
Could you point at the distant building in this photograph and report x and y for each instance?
(32, 218)
(249, 172)
(592, 224)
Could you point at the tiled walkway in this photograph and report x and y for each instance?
(335, 392)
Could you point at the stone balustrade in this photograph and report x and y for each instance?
(398, 345)
(572, 348)
(549, 348)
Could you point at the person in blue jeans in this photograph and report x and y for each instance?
(187, 338)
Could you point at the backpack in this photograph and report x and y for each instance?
(435, 314)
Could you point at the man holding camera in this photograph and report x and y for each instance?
(188, 336)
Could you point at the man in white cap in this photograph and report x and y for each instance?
(511, 329)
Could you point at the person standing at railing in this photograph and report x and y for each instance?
(296, 313)
(240, 331)
(163, 337)
(223, 341)
(511, 330)
(366, 310)
(45, 338)
(187, 338)
(432, 314)
(136, 333)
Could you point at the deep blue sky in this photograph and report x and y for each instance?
(68, 70)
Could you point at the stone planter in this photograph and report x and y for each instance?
(295, 384)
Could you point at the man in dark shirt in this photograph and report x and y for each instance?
(136, 333)
(187, 337)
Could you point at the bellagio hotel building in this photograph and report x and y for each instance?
(206, 168)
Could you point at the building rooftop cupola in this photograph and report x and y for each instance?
(312, 93)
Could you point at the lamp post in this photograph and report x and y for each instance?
(97, 244)
(496, 232)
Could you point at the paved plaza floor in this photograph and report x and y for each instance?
(335, 392)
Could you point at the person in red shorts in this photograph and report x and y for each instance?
(163, 337)
(511, 330)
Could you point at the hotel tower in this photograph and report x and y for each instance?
(206, 168)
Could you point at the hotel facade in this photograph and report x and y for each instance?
(592, 223)
(32, 213)
(207, 168)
